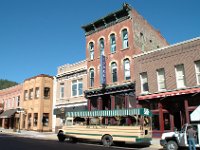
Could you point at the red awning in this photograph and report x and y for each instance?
(171, 93)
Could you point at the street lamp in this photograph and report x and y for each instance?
(19, 110)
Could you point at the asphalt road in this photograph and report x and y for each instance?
(10, 142)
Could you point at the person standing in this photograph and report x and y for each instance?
(191, 133)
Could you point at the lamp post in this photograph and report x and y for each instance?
(19, 110)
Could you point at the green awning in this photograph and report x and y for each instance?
(110, 113)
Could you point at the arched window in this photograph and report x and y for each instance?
(91, 77)
(91, 50)
(114, 72)
(124, 38)
(101, 46)
(127, 71)
(112, 43)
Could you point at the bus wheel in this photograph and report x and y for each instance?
(72, 140)
(172, 145)
(107, 140)
(61, 136)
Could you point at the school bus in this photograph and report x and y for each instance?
(108, 126)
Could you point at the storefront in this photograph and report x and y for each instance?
(8, 119)
(171, 109)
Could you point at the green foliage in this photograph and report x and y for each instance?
(6, 84)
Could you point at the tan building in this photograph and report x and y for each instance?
(9, 102)
(69, 85)
(37, 101)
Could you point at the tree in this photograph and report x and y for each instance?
(6, 84)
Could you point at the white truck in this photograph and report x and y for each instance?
(178, 139)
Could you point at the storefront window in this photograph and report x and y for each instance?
(155, 122)
(45, 119)
(166, 121)
(35, 119)
(119, 101)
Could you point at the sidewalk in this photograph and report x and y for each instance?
(155, 143)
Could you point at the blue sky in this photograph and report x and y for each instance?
(37, 36)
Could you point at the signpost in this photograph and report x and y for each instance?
(19, 110)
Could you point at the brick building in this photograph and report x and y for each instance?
(10, 101)
(168, 83)
(69, 84)
(110, 44)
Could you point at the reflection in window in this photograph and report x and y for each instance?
(127, 73)
(101, 46)
(45, 119)
(37, 92)
(112, 43)
(35, 119)
(91, 77)
(124, 38)
(91, 50)
(114, 72)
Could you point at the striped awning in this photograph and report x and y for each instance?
(110, 113)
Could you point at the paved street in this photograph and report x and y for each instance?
(36, 140)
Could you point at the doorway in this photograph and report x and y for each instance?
(177, 120)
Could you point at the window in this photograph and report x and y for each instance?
(91, 77)
(18, 100)
(197, 69)
(112, 43)
(31, 94)
(180, 76)
(45, 119)
(144, 82)
(62, 90)
(124, 38)
(26, 95)
(114, 72)
(35, 119)
(46, 92)
(29, 119)
(37, 92)
(91, 50)
(101, 46)
(161, 79)
(77, 87)
(127, 72)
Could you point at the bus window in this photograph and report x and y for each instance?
(79, 121)
(94, 121)
(69, 122)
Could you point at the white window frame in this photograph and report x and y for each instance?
(142, 75)
(161, 80)
(91, 50)
(127, 70)
(125, 42)
(180, 77)
(112, 43)
(197, 71)
(77, 83)
(62, 91)
(91, 81)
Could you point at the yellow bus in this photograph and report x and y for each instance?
(108, 126)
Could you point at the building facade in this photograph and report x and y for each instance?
(69, 84)
(37, 101)
(168, 83)
(110, 44)
(10, 99)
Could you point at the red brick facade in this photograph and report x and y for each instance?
(173, 105)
